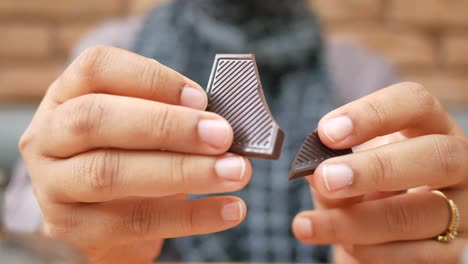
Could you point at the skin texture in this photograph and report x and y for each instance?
(115, 146)
(119, 140)
(386, 213)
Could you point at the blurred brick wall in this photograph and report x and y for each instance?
(427, 39)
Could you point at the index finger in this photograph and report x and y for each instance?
(406, 107)
(423, 161)
(115, 71)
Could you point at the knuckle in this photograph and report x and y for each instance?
(154, 77)
(91, 61)
(332, 228)
(193, 215)
(57, 231)
(381, 169)
(425, 100)
(187, 220)
(35, 138)
(179, 171)
(54, 231)
(86, 114)
(35, 133)
(376, 111)
(61, 226)
(447, 151)
(398, 218)
(102, 171)
(144, 219)
(160, 124)
(94, 52)
(24, 142)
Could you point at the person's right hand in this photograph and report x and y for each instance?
(114, 146)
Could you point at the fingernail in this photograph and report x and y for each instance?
(231, 168)
(232, 212)
(214, 132)
(337, 176)
(337, 129)
(193, 98)
(303, 226)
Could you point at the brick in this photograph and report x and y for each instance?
(23, 40)
(450, 88)
(69, 34)
(26, 82)
(454, 50)
(138, 7)
(350, 10)
(404, 48)
(429, 13)
(60, 9)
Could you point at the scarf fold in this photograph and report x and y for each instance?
(285, 38)
(257, 27)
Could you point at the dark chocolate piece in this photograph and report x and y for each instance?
(312, 153)
(235, 93)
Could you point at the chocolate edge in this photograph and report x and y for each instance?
(296, 173)
(278, 134)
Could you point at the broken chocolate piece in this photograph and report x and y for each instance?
(312, 153)
(235, 93)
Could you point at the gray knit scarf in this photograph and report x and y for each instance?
(285, 37)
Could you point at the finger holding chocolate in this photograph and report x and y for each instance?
(115, 147)
(426, 155)
(235, 92)
(411, 191)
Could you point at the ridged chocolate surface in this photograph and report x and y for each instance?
(235, 93)
(312, 153)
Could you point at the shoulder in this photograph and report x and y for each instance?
(356, 71)
(120, 33)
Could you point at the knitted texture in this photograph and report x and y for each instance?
(285, 38)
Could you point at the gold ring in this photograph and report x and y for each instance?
(452, 228)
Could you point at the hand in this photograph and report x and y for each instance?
(376, 204)
(114, 146)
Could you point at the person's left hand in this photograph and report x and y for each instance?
(376, 204)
